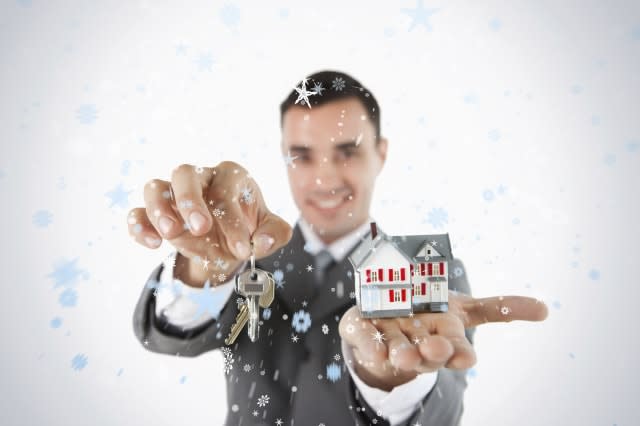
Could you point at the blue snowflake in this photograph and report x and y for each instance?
(124, 168)
(230, 15)
(119, 196)
(42, 218)
(278, 277)
(594, 274)
(79, 362)
(68, 298)
(205, 61)
(56, 322)
(208, 301)
(66, 273)
(87, 114)
(487, 194)
(119, 373)
(458, 272)
(556, 304)
(494, 135)
(266, 314)
(181, 49)
(284, 13)
(609, 159)
(333, 372)
(631, 146)
(419, 15)
(495, 24)
(301, 321)
(576, 89)
(472, 372)
(2, 174)
(438, 217)
(183, 379)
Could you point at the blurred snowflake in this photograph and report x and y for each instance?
(495, 24)
(66, 273)
(325, 329)
(487, 194)
(494, 135)
(333, 372)
(79, 362)
(42, 218)
(56, 322)
(68, 298)
(230, 15)
(118, 196)
(124, 167)
(205, 61)
(419, 15)
(438, 217)
(301, 321)
(183, 379)
(227, 360)
(87, 114)
(266, 314)
(338, 84)
(263, 400)
(594, 274)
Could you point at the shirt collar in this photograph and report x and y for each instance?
(339, 248)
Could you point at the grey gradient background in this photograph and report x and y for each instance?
(519, 119)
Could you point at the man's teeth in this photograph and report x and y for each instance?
(328, 204)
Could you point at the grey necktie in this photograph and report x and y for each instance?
(323, 261)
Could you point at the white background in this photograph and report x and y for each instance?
(519, 119)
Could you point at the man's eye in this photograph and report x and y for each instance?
(348, 153)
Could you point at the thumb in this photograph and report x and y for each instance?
(272, 233)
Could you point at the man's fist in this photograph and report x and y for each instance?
(208, 213)
(392, 351)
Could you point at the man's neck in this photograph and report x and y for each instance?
(339, 246)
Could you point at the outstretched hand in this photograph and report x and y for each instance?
(392, 351)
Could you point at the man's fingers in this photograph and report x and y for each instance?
(503, 309)
(189, 184)
(463, 354)
(141, 230)
(402, 354)
(358, 333)
(272, 233)
(235, 227)
(436, 351)
(160, 210)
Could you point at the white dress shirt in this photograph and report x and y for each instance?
(172, 299)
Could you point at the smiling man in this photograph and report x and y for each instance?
(317, 361)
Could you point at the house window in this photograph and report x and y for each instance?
(374, 276)
(436, 287)
(416, 290)
(396, 296)
(396, 275)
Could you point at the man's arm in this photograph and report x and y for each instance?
(164, 323)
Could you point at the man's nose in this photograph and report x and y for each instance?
(327, 175)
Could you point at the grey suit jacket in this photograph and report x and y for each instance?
(302, 380)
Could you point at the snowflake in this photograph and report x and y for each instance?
(301, 321)
(278, 276)
(438, 217)
(303, 93)
(263, 400)
(294, 338)
(42, 218)
(79, 362)
(68, 298)
(255, 413)
(352, 294)
(317, 87)
(118, 196)
(505, 310)
(350, 328)
(378, 337)
(222, 277)
(217, 213)
(325, 329)
(246, 195)
(246, 368)
(205, 264)
(230, 15)
(279, 422)
(240, 301)
(205, 61)
(309, 268)
(457, 271)
(338, 84)
(333, 372)
(87, 114)
(337, 357)
(416, 341)
(288, 160)
(227, 359)
(199, 170)
(220, 264)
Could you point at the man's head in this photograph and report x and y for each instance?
(339, 150)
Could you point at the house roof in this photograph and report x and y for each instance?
(407, 245)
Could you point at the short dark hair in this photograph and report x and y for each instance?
(335, 85)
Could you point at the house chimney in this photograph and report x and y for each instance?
(374, 230)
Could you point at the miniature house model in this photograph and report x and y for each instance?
(395, 276)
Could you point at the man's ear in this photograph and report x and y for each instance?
(381, 149)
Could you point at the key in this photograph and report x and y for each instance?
(258, 287)
(238, 325)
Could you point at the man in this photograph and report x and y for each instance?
(315, 361)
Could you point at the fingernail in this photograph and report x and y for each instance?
(242, 250)
(152, 242)
(165, 224)
(196, 220)
(265, 241)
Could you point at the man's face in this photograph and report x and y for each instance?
(338, 161)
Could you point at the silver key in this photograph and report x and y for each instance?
(258, 287)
